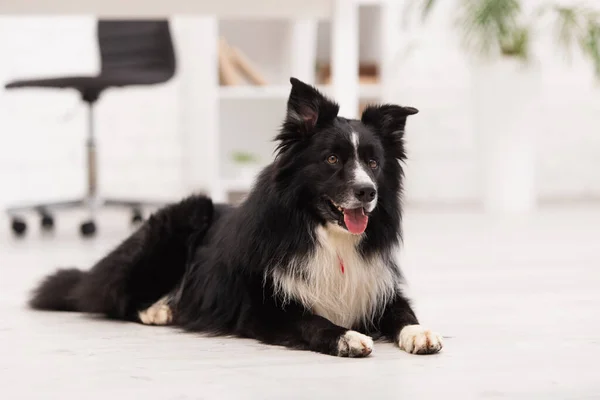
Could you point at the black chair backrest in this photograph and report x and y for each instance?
(136, 46)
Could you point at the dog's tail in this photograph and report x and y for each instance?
(57, 291)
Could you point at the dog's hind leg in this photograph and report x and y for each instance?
(144, 268)
(149, 264)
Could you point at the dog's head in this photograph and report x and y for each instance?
(343, 169)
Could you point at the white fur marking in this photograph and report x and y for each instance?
(354, 344)
(360, 175)
(417, 340)
(354, 139)
(158, 313)
(347, 298)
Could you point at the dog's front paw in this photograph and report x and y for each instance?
(417, 340)
(354, 344)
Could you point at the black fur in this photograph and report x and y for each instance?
(214, 261)
(56, 291)
(137, 272)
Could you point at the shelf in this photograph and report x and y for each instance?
(366, 92)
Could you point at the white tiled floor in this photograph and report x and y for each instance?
(518, 300)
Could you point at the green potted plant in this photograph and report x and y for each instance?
(247, 164)
(505, 28)
(505, 41)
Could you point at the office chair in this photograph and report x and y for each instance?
(132, 52)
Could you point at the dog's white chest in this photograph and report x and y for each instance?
(339, 283)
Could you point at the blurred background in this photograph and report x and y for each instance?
(159, 141)
(502, 193)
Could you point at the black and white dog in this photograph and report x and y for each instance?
(306, 261)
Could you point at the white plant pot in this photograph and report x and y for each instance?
(507, 96)
(248, 172)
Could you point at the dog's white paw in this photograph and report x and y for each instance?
(417, 340)
(354, 344)
(158, 313)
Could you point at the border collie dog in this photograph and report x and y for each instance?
(306, 261)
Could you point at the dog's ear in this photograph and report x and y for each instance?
(387, 119)
(307, 108)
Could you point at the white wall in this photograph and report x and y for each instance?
(42, 133)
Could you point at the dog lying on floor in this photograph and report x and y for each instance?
(306, 261)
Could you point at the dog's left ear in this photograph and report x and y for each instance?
(307, 108)
(387, 119)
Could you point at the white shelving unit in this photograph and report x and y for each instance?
(216, 120)
(261, 108)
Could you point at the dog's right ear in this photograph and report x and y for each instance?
(307, 108)
(387, 119)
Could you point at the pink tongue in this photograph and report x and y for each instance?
(355, 220)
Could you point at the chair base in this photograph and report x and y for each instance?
(88, 227)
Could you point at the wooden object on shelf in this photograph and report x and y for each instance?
(246, 67)
(234, 66)
(368, 74)
(228, 75)
(362, 105)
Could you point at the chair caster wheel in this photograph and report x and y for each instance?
(19, 227)
(88, 229)
(136, 216)
(47, 222)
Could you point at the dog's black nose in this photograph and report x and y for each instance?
(365, 193)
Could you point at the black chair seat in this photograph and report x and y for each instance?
(87, 83)
(136, 52)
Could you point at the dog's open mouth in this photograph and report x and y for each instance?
(355, 220)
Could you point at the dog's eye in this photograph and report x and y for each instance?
(332, 159)
(373, 164)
